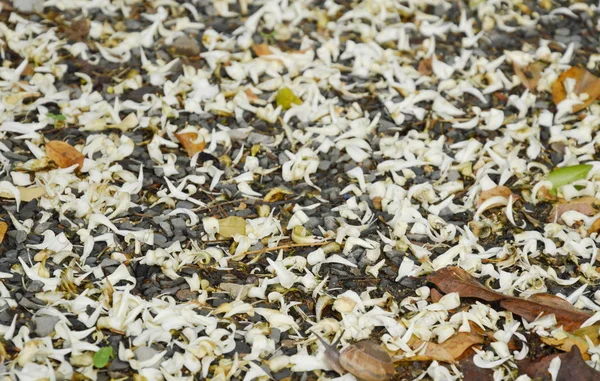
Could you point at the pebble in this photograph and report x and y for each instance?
(330, 223)
(44, 325)
(186, 295)
(160, 240)
(185, 45)
(166, 227)
(144, 353)
(34, 286)
(26, 303)
(178, 223)
(117, 365)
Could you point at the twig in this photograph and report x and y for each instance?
(219, 204)
(267, 249)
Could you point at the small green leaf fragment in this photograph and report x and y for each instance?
(103, 357)
(567, 175)
(286, 98)
(58, 117)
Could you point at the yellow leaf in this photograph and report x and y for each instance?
(230, 226)
(189, 142)
(448, 351)
(27, 194)
(286, 97)
(276, 194)
(3, 229)
(261, 50)
(577, 338)
(63, 154)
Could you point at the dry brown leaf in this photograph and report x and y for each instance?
(425, 67)
(545, 195)
(529, 75)
(78, 30)
(261, 50)
(584, 205)
(572, 367)
(435, 295)
(3, 229)
(499, 190)
(454, 279)
(448, 351)
(595, 227)
(428, 352)
(188, 141)
(577, 338)
(566, 315)
(585, 83)
(471, 371)
(459, 343)
(63, 154)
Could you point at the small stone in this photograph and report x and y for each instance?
(26, 303)
(331, 223)
(186, 46)
(35, 286)
(44, 325)
(453, 175)
(178, 223)
(160, 240)
(186, 295)
(118, 365)
(106, 262)
(144, 353)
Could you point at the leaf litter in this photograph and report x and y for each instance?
(244, 175)
(455, 279)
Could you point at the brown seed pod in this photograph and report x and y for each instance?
(366, 360)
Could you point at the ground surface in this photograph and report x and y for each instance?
(241, 176)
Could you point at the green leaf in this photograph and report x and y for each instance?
(103, 357)
(567, 175)
(230, 226)
(59, 117)
(286, 97)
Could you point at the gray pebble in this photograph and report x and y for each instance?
(256, 138)
(144, 353)
(178, 223)
(116, 365)
(35, 286)
(26, 303)
(160, 240)
(313, 222)
(19, 235)
(132, 24)
(166, 227)
(330, 223)
(186, 46)
(41, 228)
(324, 165)
(44, 325)
(453, 175)
(106, 262)
(185, 205)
